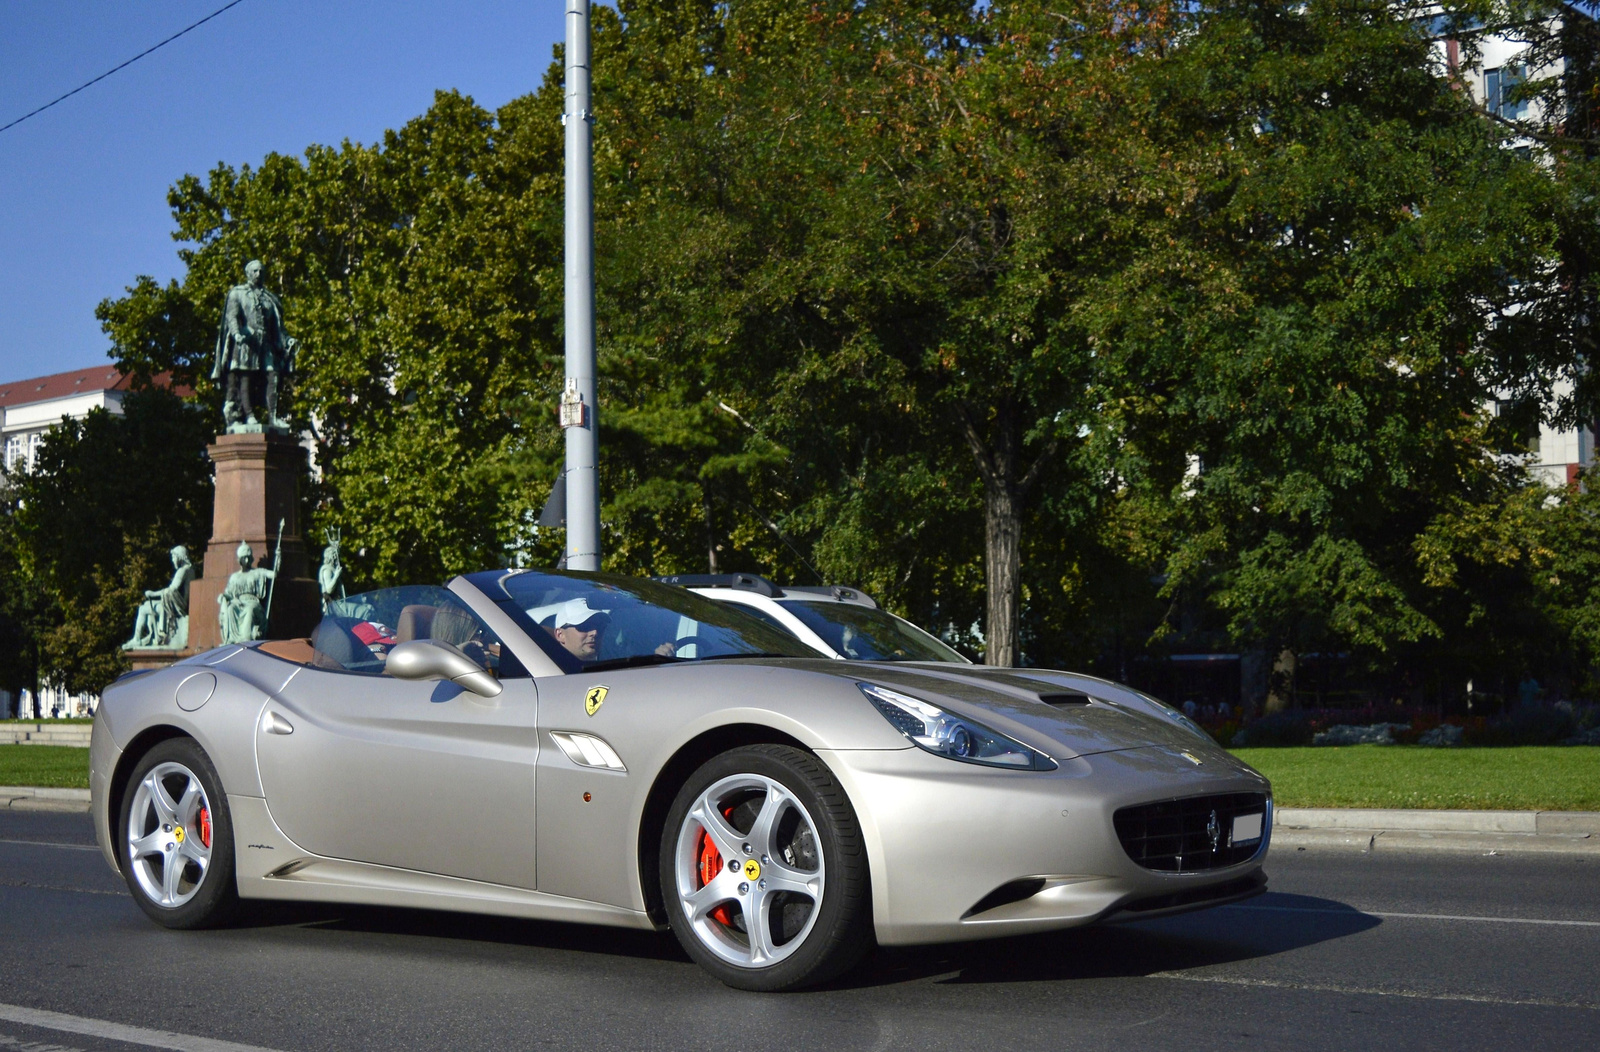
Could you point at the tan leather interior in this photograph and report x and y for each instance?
(297, 650)
(416, 622)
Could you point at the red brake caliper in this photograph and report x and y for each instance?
(709, 865)
(205, 827)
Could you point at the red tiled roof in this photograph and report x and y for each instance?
(62, 385)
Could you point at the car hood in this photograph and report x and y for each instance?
(1009, 701)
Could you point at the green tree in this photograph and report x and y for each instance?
(869, 229)
(88, 529)
(1307, 347)
(422, 278)
(1011, 312)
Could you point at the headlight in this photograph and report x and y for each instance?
(956, 737)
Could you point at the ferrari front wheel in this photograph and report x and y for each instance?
(176, 838)
(763, 870)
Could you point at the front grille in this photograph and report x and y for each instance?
(1176, 836)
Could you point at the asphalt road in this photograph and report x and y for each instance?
(1392, 951)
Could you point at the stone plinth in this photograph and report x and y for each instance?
(256, 477)
(147, 658)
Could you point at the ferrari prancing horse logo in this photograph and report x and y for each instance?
(594, 699)
(752, 869)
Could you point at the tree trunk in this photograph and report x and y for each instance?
(711, 536)
(1005, 488)
(1002, 572)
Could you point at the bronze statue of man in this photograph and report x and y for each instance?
(251, 343)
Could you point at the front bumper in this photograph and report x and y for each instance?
(103, 757)
(946, 839)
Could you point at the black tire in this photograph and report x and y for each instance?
(203, 898)
(836, 931)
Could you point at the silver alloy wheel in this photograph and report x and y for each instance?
(166, 832)
(788, 874)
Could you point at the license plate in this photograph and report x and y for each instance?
(1246, 828)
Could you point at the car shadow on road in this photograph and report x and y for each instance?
(1271, 924)
(466, 928)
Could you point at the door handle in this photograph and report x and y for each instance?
(272, 723)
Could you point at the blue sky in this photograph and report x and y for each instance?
(83, 185)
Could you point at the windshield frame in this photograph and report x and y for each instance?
(818, 605)
(498, 587)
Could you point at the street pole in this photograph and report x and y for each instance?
(578, 416)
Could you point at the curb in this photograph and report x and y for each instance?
(1485, 832)
(46, 732)
(34, 798)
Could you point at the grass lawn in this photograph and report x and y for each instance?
(56, 766)
(1517, 778)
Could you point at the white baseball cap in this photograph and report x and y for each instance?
(577, 612)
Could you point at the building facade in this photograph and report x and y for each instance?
(29, 408)
(1554, 457)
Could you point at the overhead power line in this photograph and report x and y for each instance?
(131, 61)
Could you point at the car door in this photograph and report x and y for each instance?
(417, 775)
(586, 805)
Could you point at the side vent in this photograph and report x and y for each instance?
(586, 750)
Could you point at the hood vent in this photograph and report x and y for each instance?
(1065, 701)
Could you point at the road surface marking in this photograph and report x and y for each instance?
(1353, 912)
(128, 1035)
(55, 887)
(51, 843)
(7, 1041)
(1328, 988)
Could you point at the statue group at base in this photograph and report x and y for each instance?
(252, 348)
(241, 608)
(162, 621)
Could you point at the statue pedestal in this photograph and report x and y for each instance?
(256, 477)
(152, 657)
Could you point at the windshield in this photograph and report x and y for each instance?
(590, 621)
(864, 634)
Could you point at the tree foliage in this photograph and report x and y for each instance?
(88, 529)
(1076, 331)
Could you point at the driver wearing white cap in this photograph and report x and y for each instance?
(578, 628)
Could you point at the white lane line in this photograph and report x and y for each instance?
(128, 1035)
(1418, 995)
(52, 843)
(1352, 912)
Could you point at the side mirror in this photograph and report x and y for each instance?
(435, 659)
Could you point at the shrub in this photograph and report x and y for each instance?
(1282, 728)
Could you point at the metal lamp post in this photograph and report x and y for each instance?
(578, 418)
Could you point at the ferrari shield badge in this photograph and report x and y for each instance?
(594, 699)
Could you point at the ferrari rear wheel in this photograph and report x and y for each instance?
(763, 870)
(176, 838)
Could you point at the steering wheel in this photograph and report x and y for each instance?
(690, 641)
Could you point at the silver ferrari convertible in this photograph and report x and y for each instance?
(595, 748)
